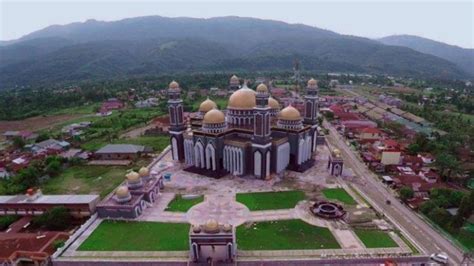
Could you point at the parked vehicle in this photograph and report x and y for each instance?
(440, 257)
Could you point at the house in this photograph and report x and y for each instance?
(75, 153)
(150, 102)
(24, 135)
(388, 151)
(75, 129)
(370, 133)
(109, 105)
(50, 144)
(429, 175)
(412, 161)
(121, 152)
(19, 163)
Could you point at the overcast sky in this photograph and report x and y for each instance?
(447, 21)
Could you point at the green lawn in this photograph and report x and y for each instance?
(375, 238)
(284, 235)
(339, 194)
(178, 204)
(270, 200)
(137, 236)
(88, 179)
(158, 143)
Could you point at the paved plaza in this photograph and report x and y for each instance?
(220, 204)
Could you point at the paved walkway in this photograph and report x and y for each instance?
(221, 207)
(72, 249)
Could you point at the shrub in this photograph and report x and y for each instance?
(58, 218)
(58, 243)
(6, 221)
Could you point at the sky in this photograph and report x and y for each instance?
(451, 22)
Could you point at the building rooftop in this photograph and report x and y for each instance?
(121, 148)
(50, 199)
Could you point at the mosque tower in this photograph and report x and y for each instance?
(311, 105)
(177, 124)
(261, 143)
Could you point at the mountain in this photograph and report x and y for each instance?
(462, 57)
(157, 45)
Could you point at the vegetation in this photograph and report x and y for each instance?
(258, 201)
(284, 235)
(406, 193)
(7, 220)
(58, 244)
(88, 179)
(179, 204)
(435, 210)
(339, 194)
(57, 218)
(137, 236)
(375, 238)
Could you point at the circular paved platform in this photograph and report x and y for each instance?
(223, 208)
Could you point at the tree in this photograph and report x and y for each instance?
(413, 149)
(18, 143)
(439, 216)
(53, 168)
(447, 164)
(57, 218)
(466, 208)
(406, 193)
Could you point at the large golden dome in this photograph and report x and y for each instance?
(243, 98)
(214, 116)
(174, 85)
(290, 113)
(273, 103)
(312, 82)
(122, 192)
(207, 106)
(262, 88)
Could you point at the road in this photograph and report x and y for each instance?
(423, 234)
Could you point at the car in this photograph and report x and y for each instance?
(440, 257)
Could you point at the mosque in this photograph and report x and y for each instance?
(251, 137)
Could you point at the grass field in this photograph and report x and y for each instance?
(178, 204)
(375, 238)
(88, 179)
(137, 236)
(284, 235)
(339, 194)
(158, 143)
(270, 200)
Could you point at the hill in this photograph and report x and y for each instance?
(158, 45)
(462, 57)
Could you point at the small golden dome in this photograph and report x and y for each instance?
(207, 106)
(234, 79)
(312, 82)
(132, 176)
(289, 113)
(214, 116)
(211, 226)
(122, 192)
(262, 88)
(144, 171)
(196, 228)
(243, 98)
(336, 152)
(227, 227)
(174, 85)
(273, 103)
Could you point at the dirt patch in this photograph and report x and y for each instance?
(36, 123)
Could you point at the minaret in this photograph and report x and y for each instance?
(234, 83)
(311, 105)
(261, 143)
(177, 124)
